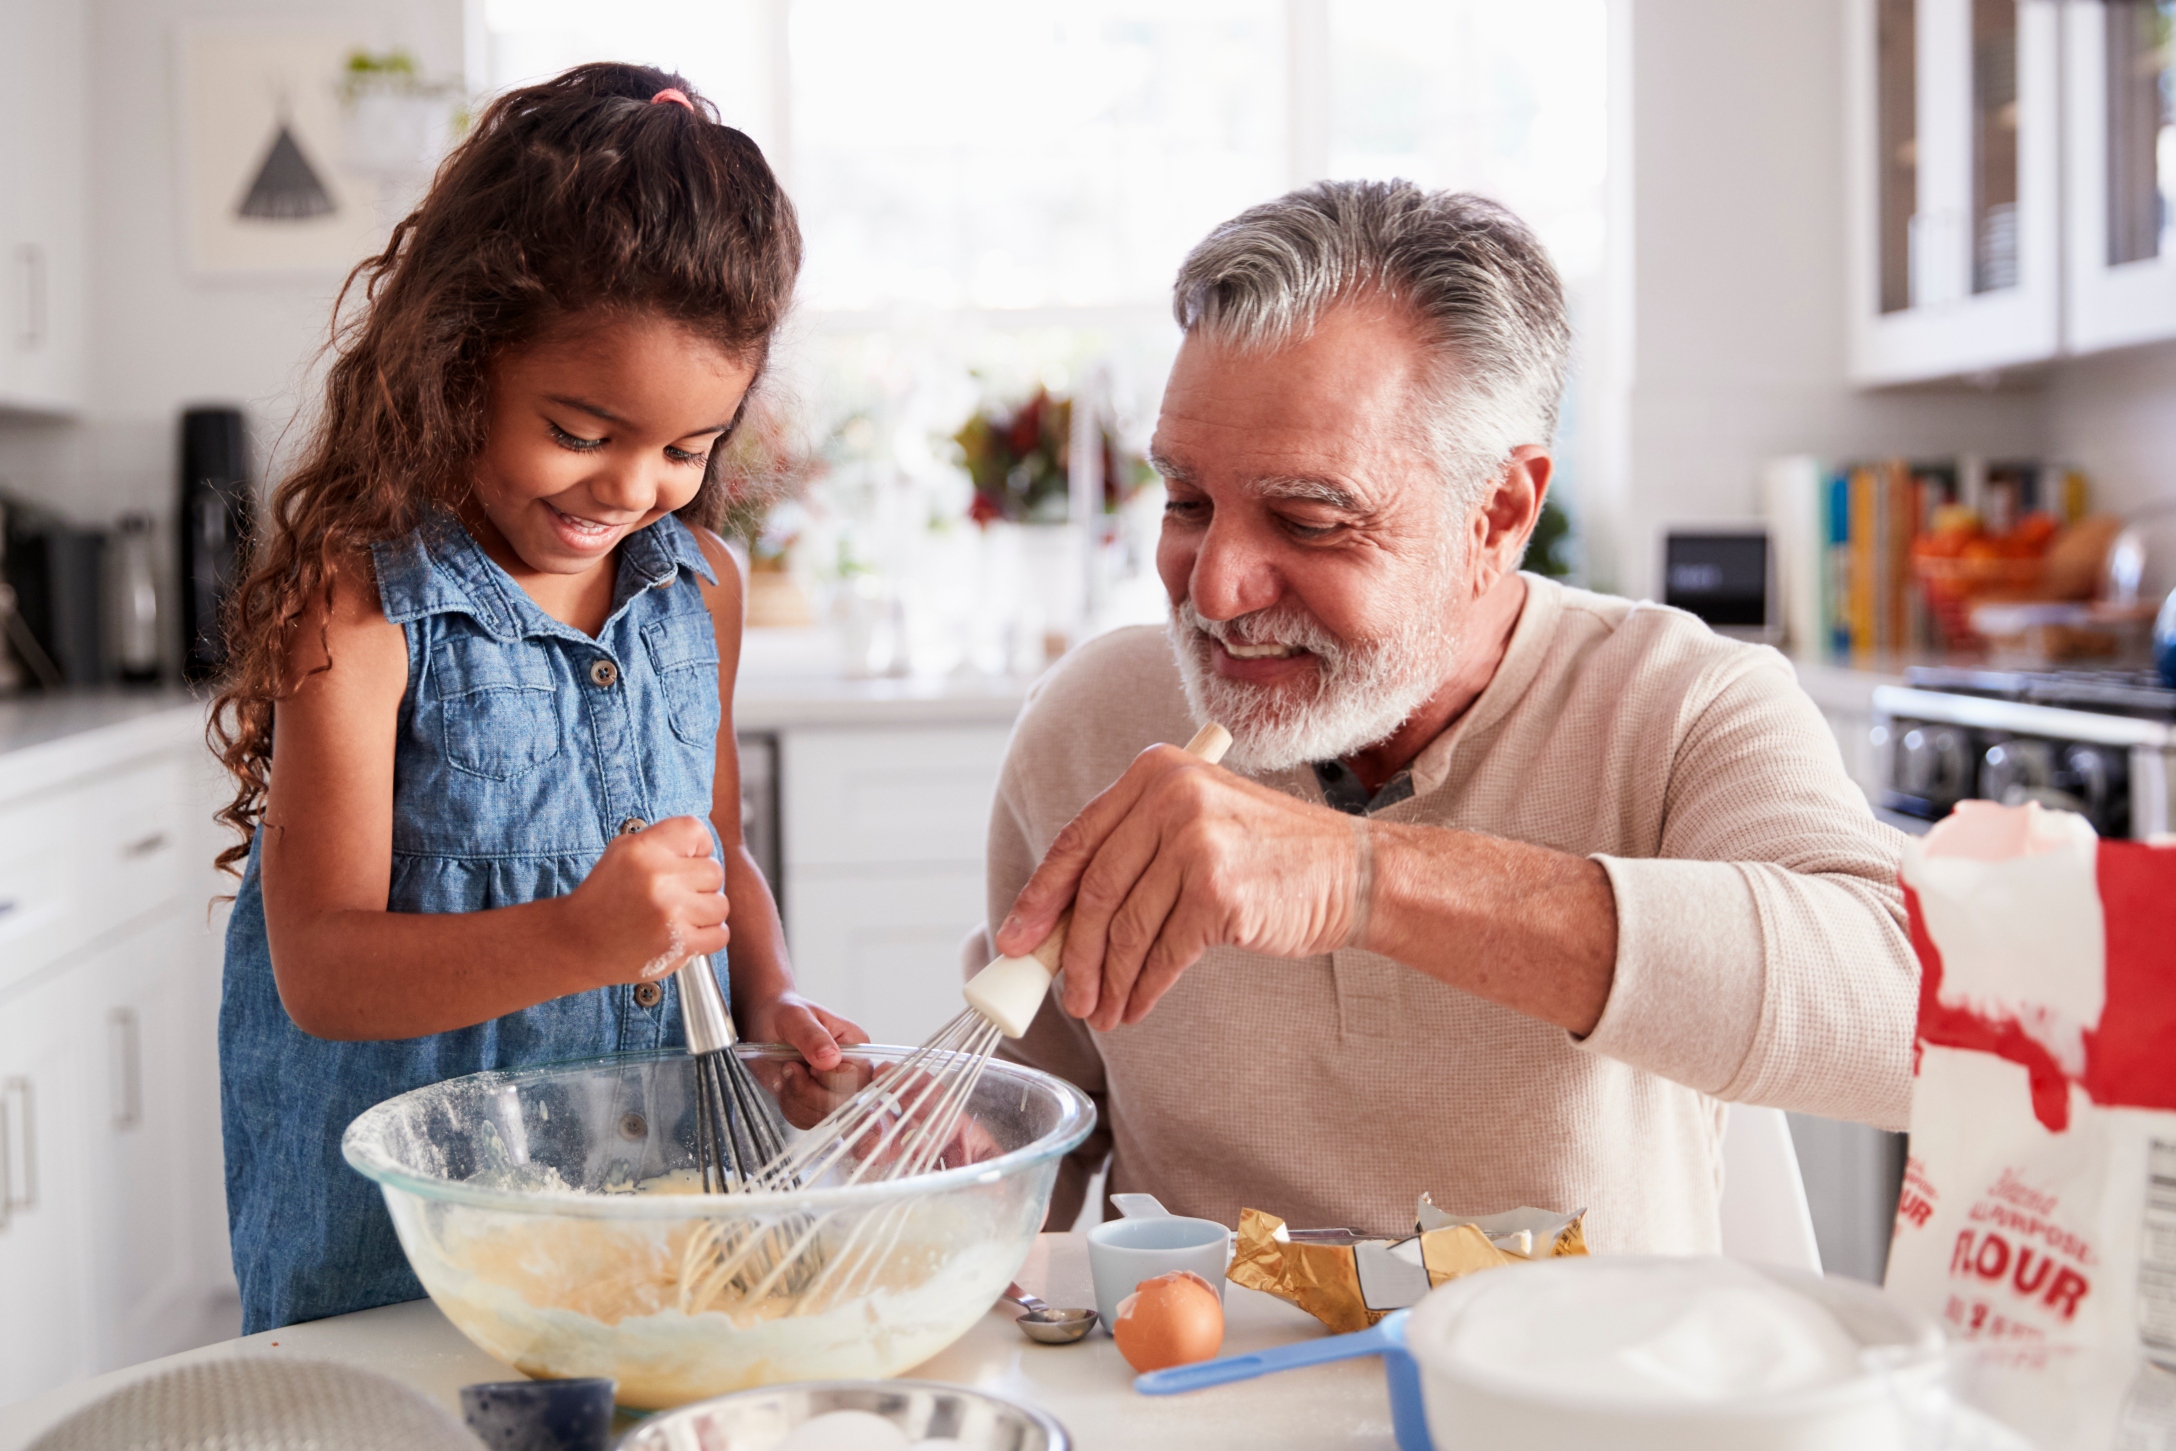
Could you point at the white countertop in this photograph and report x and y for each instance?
(790, 679)
(50, 738)
(1088, 1387)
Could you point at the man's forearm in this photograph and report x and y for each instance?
(1524, 926)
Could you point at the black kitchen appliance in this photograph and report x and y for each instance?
(55, 569)
(1723, 576)
(2098, 742)
(213, 525)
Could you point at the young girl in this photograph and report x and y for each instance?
(482, 662)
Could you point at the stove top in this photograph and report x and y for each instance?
(2137, 693)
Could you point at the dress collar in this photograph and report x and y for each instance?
(440, 568)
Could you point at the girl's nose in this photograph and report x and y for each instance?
(628, 488)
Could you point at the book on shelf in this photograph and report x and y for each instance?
(1884, 556)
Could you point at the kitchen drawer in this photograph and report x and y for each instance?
(884, 947)
(889, 797)
(130, 845)
(39, 919)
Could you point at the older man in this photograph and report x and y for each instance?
(1504, 887)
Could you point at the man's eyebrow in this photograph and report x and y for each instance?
(1309, 488)
(598, 410)
(1170, 468)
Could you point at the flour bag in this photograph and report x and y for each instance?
(2038, 1210)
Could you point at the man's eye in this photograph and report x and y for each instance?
(574, 441)
(1300, 529)
(686, 456)
(1185, 508)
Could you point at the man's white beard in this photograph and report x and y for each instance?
(1362, 693)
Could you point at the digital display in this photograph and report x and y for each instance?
(1722, 578)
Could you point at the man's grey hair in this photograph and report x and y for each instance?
(1472, 277)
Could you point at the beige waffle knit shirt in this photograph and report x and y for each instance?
(1761, 950)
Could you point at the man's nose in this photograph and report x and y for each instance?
(1232, 574)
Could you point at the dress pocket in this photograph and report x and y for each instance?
(684, 652)
(497, 717)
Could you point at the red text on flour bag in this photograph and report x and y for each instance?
(2039, 1198)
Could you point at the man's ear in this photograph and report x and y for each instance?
(1506, 518)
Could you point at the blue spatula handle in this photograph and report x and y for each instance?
(1246, 1367)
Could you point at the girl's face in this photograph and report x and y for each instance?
(596, 432)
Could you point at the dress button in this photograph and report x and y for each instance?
(604, 674)
(648, 994)
(632, 825)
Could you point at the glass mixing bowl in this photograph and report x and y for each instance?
(547, 1212)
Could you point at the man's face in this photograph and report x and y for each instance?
(1316, 580)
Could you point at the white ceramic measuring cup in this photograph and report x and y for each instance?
(1150, 1242)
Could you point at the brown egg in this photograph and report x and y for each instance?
(1174, 1319)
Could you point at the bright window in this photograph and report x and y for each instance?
(997, 193)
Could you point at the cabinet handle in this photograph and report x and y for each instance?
(30, 259)
(18, 1124)
(145, 845)
(124, 1040)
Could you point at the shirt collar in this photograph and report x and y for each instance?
(440, 568)
(1529, 642)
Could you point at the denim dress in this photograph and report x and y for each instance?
(524, 746)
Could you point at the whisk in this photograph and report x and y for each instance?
(738, 1127)
(900, 1125)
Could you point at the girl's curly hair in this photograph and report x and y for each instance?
(577, 194)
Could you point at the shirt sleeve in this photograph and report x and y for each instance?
(1762, 953)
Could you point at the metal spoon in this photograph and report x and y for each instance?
(1046, 1323)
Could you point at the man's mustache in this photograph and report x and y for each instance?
(1277, 625)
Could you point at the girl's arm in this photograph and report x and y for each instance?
(348, 968)
(765, 1006)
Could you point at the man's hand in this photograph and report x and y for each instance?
(1175, 858)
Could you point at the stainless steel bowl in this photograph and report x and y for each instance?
(758, 1420)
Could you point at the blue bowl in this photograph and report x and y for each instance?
(541, 1415)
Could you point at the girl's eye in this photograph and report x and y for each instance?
(573, 441)
(687, 456)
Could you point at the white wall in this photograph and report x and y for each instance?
(162, 339)
(1737, 262)
(2115, 416)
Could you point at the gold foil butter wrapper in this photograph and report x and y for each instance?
(1351, 1286)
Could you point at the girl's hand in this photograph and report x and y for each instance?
(655, 899)
(815, 1033)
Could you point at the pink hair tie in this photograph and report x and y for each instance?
(675, 95)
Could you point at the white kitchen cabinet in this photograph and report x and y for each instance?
(45, 1314)
(889, 796)
(113, 1244)
(44, 212)
(140, 1025)
(883, 837)
(883, 947)
(2119, 153)
(1954, 208)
